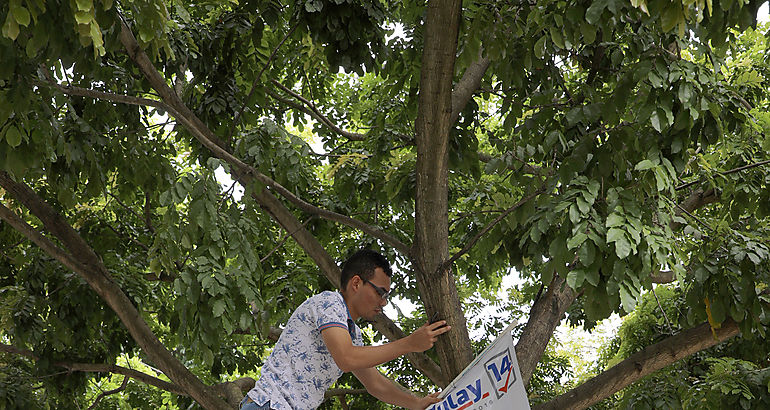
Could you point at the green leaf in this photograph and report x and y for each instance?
(218, 308)
(628, 301)
(539, 48)
(575, 278)
(615, 220)
(655, 120)
(583, 205)
(576, 240)
(20, 14)
(588, 31)
(85, 5)
(644, 164)
(83, 17)
(592, 276)
(10, 28)
(13, 136)
(574, 214)
(587, 253)
(623, 248)
(556, 36)
(615, 234)
(671, 16)
(594, 12)
(574, 116)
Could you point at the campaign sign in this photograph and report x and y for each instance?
(492, 381)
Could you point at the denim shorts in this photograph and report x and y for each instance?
(248, 404)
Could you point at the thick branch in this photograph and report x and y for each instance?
(468, 84)
(41, 241)
(646, 361)
(431, 248)
(544, 316)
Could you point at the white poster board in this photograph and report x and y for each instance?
(491, 382)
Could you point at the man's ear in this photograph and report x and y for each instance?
(355, 282)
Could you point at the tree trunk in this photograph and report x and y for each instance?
(431, 249)
(642, 363)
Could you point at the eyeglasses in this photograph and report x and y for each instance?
(384, 293)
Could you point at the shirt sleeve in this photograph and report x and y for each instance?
(330, 312)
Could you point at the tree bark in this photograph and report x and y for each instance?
(91, 268)
(642, 363)
(431, 249)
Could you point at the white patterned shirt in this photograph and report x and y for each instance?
(300, 368)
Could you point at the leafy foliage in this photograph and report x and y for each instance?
(593, 126)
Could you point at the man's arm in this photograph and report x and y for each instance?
(389, 391)
(350, 358)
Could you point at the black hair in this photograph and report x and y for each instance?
(363, 263)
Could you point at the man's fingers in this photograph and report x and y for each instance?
(437, 325)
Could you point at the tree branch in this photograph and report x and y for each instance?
(100, 95)
(224, 389)
(102, 368)
(732, 171)
(110, 392)
(316, 113)
(468, 84)
(90, 267)
(544, 316)
(643, 363)
(491, 224)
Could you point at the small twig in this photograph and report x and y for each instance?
(732, 171)
(285, 237)
(136, 214)
(129, 237)
(315, 112)
(694, 217)
(110, 392)
(489, 226)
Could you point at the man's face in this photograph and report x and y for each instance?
(369, 302)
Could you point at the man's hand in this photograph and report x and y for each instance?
(423, 338)
(426, 401)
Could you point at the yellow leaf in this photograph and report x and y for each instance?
(712, 323)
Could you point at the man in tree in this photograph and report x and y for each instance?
(321, 341)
